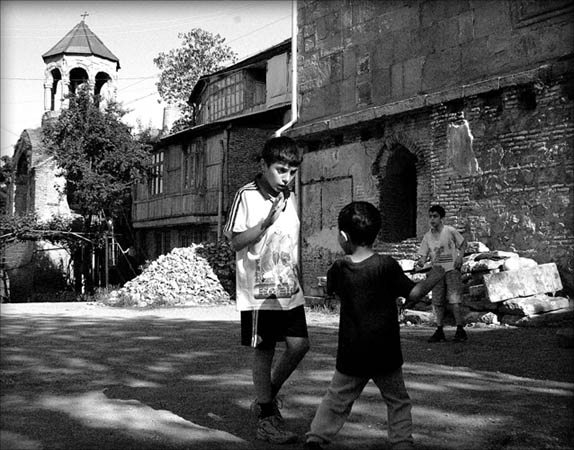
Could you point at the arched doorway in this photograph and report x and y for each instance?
(398, 195)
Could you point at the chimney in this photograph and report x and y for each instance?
(170, 115)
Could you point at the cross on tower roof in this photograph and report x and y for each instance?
(84, 15)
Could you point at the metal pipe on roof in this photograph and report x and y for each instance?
(293, 71)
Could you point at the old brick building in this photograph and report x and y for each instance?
(464, 103)
(197, 171)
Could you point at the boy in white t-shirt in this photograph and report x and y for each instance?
(263, 226)
(444, 246)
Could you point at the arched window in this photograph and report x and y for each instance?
(56, 92)
(78, 77)
(103, 89)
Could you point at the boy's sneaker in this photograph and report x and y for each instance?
(312, 445)
(438, 336)
(460, 335)
(270, 429)
(277, 404)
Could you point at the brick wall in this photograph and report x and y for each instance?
(479, 92)
(245, 144)
(518, 197)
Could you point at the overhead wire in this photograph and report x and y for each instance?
(137, 26)
(202, 19)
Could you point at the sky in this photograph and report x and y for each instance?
(135, 31)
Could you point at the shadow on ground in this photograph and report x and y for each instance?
(164, 383)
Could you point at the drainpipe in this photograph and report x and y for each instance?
(220, 191)
(222, 180)
(293, 71)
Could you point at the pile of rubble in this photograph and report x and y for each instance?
(187, 276)
(501, 288)
(504, 288)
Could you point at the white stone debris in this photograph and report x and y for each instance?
(183, 277)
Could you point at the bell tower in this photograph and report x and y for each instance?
(80, 58)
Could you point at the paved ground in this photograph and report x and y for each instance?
(82, 376)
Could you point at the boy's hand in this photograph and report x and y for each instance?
(277, 208)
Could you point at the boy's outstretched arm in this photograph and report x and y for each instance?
(422, 288)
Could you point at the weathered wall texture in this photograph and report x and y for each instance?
(464, 103)
(360, 53)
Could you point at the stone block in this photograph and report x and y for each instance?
(442, 69)
(381, 85)
(477, 300)
(419, 317)
(382, 51)
(552, 318)
(541, 279)
(490, 18)
(396, 80)
(349, 63)
(413, 69)
(535, 304)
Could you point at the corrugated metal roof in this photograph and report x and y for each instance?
(81, 41)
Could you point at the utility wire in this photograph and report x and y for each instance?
(169, 24)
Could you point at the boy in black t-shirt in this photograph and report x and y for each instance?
(369, 347)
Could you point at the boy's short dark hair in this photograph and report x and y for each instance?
(282, 149)
(438, 209)
(361, 221)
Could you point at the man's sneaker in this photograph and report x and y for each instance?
(460, 335)
(438, 336)
(269, 429)
(277, 404)
(312, 445)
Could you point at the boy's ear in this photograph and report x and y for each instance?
(344, 236)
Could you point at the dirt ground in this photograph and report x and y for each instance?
(84, 376)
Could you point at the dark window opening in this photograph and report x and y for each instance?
(398, 191)
(527, 98)
(493, 100)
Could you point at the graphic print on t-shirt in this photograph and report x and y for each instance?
(275, 272)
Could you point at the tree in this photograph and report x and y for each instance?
(101, 162)
(5, 174)
(201, 53)
(98, 156)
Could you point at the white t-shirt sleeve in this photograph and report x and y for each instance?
(237, 220)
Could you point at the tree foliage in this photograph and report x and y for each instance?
(201, 53)
(98, 156)
(5, 174)
(5, 169)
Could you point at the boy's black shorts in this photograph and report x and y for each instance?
(263, 329)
